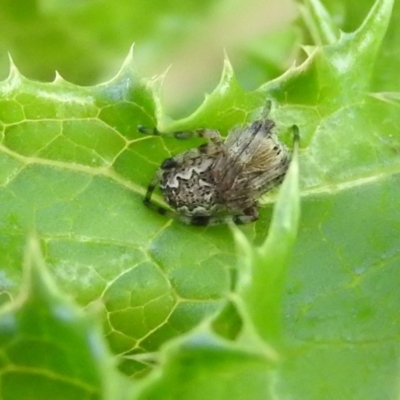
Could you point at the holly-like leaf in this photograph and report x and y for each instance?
(340, 309)
(202, 365)
(75, 168)
(50, 348)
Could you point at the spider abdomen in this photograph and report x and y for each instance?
(191, 191)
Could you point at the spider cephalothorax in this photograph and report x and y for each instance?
(221, 181)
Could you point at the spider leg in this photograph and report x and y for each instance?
(216, 220)
(249, 215)
(266, 110)
(167, 164)
(296, 136)
(148, 131)
(209, 134)
(201, 220)
(187, 219)
(164, 211)
(154, 206)
(150, 189)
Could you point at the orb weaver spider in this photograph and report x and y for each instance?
(222, 180)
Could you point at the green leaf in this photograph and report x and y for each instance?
(49, 348)
(75, 169)
(202, 366)
(262, 273)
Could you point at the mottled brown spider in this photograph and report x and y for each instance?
(221, 181)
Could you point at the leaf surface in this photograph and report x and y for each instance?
(75, 169)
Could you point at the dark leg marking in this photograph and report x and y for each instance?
(249, 215)
(210, 134)
(169, 163)
(200, 220)
(296, 135)
(148, 131)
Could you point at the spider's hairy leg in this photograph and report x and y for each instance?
(209, 134)
(249, 215)
(147, 198)
(164, 211)
(148, 131)
(167, 164)
(266, 110)
(150, 188)
(190, 220)
(296, 136)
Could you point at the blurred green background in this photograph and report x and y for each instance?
(87, 40)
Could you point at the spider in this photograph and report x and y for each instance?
(221, 181)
